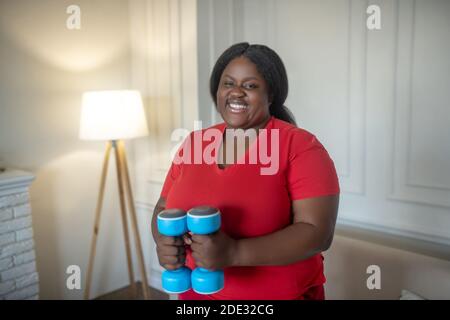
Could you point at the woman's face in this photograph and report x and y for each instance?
(243, 95)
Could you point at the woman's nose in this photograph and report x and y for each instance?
(237, 92)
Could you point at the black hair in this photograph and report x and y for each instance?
(269, 65)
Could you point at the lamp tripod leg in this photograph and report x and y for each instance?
(97, 221)
(124, 217)
(134, 224)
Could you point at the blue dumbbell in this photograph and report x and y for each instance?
(205, 220)
(173, 223)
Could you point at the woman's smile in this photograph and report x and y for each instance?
(237, 107)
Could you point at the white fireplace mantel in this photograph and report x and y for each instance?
(18, 273)
(14, 181)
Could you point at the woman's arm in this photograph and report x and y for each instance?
(160, 206)
(311, 232)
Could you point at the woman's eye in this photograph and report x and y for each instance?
(250, 86)
(228, 83)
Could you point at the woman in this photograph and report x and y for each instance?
(274, 226)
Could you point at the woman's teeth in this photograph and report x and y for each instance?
(237, 108)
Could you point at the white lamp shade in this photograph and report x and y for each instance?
(112, 115)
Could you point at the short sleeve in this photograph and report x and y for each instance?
(311, 171)
(172, 175)
(176, 167)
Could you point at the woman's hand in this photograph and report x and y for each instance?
(213, 251)
(171, 251)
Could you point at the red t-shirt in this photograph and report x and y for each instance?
(253, 204)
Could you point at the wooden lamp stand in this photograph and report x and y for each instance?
(124, 191)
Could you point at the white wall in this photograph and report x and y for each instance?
(44, 68)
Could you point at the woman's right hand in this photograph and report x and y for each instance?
(171, 252)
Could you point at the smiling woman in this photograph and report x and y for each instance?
(274, 226)
(259, 71)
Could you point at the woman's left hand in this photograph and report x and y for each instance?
(213, 251)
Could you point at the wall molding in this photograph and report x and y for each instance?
(353, 179)
(420, 243)
(401, 188)
(151, 262)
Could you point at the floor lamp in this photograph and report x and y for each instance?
(113, 116)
